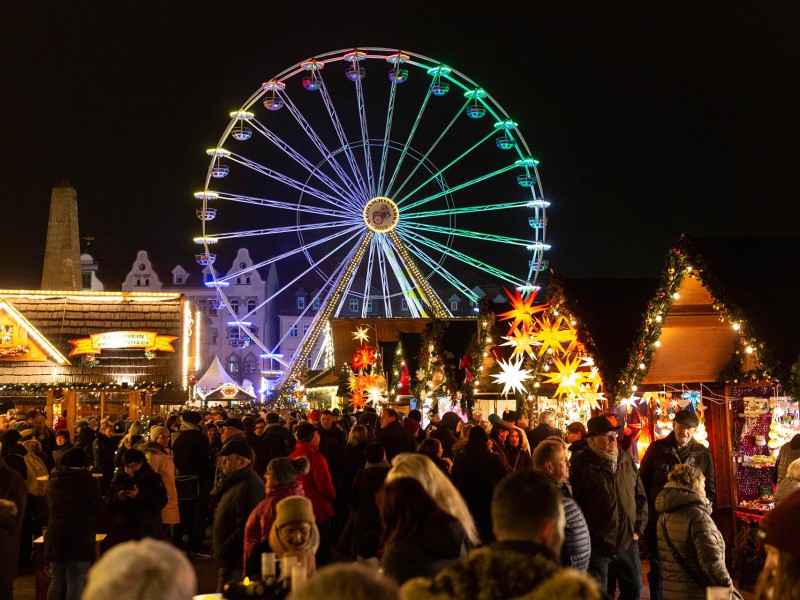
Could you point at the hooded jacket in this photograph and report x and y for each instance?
(687, 518)
(317, 483)
(504, 571)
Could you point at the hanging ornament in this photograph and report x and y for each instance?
(363, 358)
(361, 335)
(521, 340)
(512, 375)
(522, 310)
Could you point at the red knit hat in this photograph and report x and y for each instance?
(781, 526)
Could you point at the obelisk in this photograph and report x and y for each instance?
(62, 254)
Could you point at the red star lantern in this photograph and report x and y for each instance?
(363, 358)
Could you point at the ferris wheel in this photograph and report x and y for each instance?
(374, 174)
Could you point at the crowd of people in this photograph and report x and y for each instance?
(459, 508)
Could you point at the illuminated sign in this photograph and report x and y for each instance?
(150, 341)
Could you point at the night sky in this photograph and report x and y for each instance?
(649, 118)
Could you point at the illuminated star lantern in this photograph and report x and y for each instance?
(363, 358)
(521, 340)
(361, 335)
(591, 396)
(512, 375)
(522, 310)
(554, 335)
(357, 400)
(630, 402)
(569, 380)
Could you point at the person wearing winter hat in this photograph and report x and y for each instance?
(74, 500)
(84, 435)
(243, 490)
(144, 569)
(282, 482)
(663, 455)
(317, 484)
(294, 532)
(160, 458)
(780, 530)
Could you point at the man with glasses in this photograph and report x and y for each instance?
(606, 485)
(679, 447)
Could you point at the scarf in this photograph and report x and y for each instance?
(612, 458)
(305, 554)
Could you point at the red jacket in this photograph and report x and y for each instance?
(317, 482)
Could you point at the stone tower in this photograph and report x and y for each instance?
(62, 254)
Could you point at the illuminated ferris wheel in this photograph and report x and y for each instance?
(374, 174)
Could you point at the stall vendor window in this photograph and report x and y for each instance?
(6, 335)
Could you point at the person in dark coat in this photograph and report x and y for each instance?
(519, 457)
(136, 496)
(447, 432)
(74, 503)
(432, 448)
(332, 444)
(545, 429)
(13, 502)
(84, 436)
(259, 446)
(192, 459)
(104, 449)
(685, 527)
(662, 456)
(12, 452)
(606, 485)
(242, 490)
(367, 528)
(63, 443)
(550, 459)
(421, 435)
(576, 438)
(279, 439)
(498, 436)
(476, 472)
(419, 538)
(393, 436)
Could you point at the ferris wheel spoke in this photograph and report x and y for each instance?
(409, 290)
(439, 269)
(385, 285)
(368, 277)
(327, 155)
(340, 133)
(301, 160)
(433, 146)
(286, 180)
(362, 117)
(460, 186)
(446, 212)
(475, 235)
(289, 206)
(464, 258)
(409, 139)
(440, 172)
(415, 274)
(387, 133)
(230, 235)
(290, 253)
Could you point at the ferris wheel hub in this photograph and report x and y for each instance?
(381, 214)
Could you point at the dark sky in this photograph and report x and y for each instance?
(649, 118)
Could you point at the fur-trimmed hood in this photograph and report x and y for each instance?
(497, 572)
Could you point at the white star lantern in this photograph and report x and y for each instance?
(512, 375)
(361, 334)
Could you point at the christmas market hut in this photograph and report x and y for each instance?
(721, 334)
(89, 355)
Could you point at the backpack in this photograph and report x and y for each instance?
(36, 468)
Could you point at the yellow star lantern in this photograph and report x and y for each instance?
(361, 335)
(569, 380)
(522, 310)
(557, 335)
(521, 340)
(592, 396)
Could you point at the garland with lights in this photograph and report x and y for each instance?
(15, 351)
(683, 261)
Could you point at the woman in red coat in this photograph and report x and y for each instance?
(318, 486)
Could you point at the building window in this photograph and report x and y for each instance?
(369, 306)
(403, 304)
(293, 331)
(214, 334)
(247, 280)
(309, 363)
(250, 366)
(147, 282)
(238, 281)
(138, 282)
(208, 277)
(235, 306)
(305, 328)
(353, 305)
(301, 302)
(251, 305)
(177, 279)
(234, 333)
(86, 280)
(454, 305)
(233, 364)
(317, 303)
(212, 310)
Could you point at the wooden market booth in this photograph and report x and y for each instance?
(93, 354)
(721, 333)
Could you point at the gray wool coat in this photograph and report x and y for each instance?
(687, 516)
